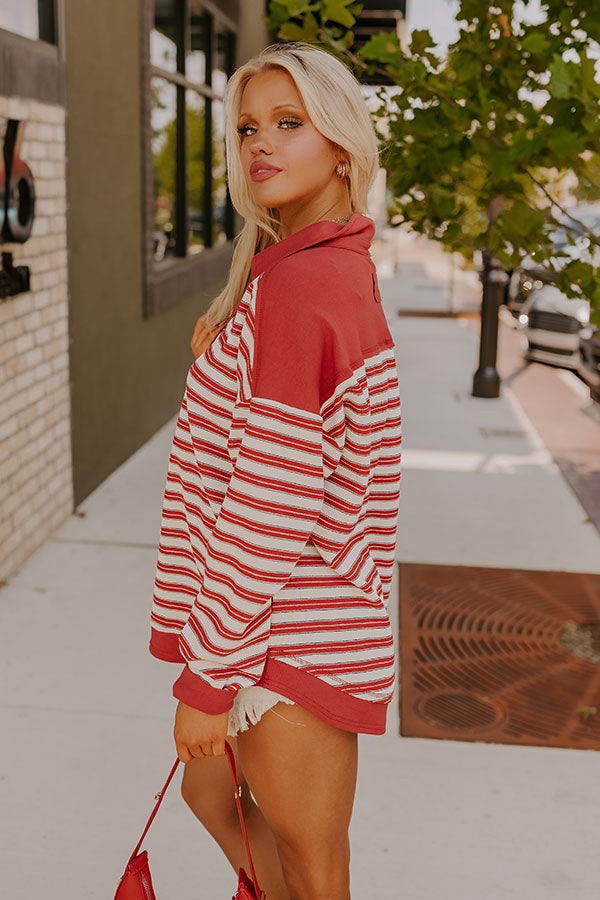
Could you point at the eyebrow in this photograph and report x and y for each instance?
(279, 106)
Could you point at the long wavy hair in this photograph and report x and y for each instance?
(336, 107)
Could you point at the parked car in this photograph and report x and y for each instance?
(531, 276)
(589, 352)
(523, 280)
(550, 326)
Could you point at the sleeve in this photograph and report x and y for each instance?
(272, 503)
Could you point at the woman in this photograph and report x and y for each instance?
(280, 510)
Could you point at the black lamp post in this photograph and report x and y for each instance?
(486, 381)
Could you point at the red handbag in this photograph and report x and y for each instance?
(136, 883)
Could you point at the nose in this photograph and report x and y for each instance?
(259, 141)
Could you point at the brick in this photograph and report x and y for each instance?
(46, 168)
(43, 334)
(11, 504)
(8, 467)
(35, 429)
(60, 292)
(7, 351)
(37, 150)
(57, 225)
(14, 366)
(59, 258)
(48, 112)
(24, 342)
(33, 523)
(14, 328)
(26, 416)
(60, 328)
(33, 358)
(26, 378)
(33, 320)
(18, 108)
(43, 371)
(46, 132)
(42, 298)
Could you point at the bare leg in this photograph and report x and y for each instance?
(303, 777)
(207, 788)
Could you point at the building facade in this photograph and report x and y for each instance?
(117, 233)
(36, 484)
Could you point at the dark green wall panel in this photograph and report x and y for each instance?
(127, 372)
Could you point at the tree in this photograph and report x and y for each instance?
(474, 139)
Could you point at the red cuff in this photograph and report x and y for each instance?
(192, 690)
(165, 645)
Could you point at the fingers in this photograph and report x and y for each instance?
(199, 734)
(219, 747)
(183, 753)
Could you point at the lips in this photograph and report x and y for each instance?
(261, 171)
(262, 167)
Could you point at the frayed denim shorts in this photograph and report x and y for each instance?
(249, 705)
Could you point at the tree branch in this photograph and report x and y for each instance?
(595, 238)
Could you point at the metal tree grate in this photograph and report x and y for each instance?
(504, 655)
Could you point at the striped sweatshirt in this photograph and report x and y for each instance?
(280, 509)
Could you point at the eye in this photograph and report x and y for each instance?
(287, 120)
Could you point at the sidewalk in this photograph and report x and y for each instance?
(87, 712)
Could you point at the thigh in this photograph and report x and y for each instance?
(302, 773)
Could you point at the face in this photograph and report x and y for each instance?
(275, 130)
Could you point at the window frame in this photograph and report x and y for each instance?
(181, 276)
(35, 68)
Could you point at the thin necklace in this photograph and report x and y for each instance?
(341, 219)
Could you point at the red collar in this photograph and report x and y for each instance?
(355, 234)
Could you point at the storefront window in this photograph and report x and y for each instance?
(35, 19)
(163, 39)
(164, 133)
(219, 172)
(198, 45)
(192, 207)
(195, 182)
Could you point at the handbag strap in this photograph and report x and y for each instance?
(159, 799)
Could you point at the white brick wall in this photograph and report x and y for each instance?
(36, 485)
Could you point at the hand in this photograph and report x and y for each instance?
(202, 337)
(198, 734)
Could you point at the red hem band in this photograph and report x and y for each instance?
(329, 703)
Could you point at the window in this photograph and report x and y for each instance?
(35, 19)
(192, 54)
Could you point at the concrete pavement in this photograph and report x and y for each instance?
(87, 713)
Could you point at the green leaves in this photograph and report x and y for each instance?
(385, 48)
(507, 111)
(421, 41)
(337, 11)
(565, 143)
(308, 31)
(563, 76)
(535, 42)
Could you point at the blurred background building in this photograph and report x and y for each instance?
(117, 230)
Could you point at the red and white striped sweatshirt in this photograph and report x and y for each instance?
(279, 519)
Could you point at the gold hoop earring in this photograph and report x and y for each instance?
(341, 169)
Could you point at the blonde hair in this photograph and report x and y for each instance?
(336, 107)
